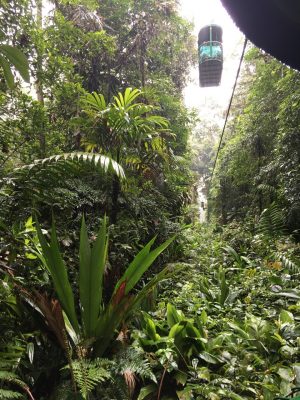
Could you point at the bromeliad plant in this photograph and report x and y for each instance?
(98, 321)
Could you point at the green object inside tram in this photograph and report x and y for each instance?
(209, 51)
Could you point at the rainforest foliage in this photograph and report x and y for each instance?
(260, 160)
(109, 287)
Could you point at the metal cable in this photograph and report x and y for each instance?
(228, 109)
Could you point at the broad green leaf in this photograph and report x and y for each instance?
(290, 293)
(203, 373)
(9, 78)
(176, 330)
(70, 330)
(180, 377)
(85, 277)
(146, 391)
(224, 288)
(99, 257)
(166, 273)
(138, 260)
(296, 368)
(92, 265)
(143, 266)
(209, 358)
(185, 394)
(239, 330)
(173, 317)
(203, 317)
(286, 317)
(17, 59)
(58, 274)
(192, 331)
(235, 396)
(151, 329)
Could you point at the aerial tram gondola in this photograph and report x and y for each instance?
(210, 48)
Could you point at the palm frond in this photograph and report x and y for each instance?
(33, 181)
(93, 102)
(66, 160)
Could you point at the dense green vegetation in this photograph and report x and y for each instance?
(259, 163)
(109, 287)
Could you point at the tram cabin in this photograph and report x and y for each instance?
(210, 49)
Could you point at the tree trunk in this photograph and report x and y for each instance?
(39, 72)
(115, 197)
(259, 152)
(116, 188)
(142, 60)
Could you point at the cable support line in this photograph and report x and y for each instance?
(229, 107)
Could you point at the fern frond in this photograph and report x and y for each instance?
(271, 221)
(8, 377)
(116, 390)
(265, 188)
(288, 264)
(88, 374)
(9, 394)
(133, 360)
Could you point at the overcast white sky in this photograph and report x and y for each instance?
(201, 13)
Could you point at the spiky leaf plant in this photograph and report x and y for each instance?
(99, 321)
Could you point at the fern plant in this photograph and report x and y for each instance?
(90, 373)
(8, 380)
(271, 222)
(131, 364)
(287, 263)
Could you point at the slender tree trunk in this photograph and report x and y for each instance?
(116, 188)
(142, 51)
(142, 60)
(115, 197)
(39, 72)
(259, 156)
(77, 133)
(224, 197)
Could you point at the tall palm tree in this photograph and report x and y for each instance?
(125, 129)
